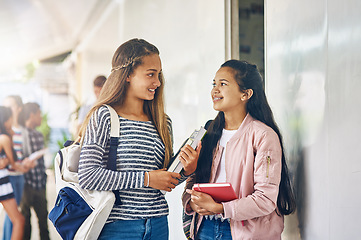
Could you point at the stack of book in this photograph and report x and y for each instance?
(176, 165)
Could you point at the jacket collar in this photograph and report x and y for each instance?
(243, 128)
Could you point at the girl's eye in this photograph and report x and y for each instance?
(221, 84)
(151, 74)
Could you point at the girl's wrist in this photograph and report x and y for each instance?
(186, 174)
(146, 179)
(219, 208)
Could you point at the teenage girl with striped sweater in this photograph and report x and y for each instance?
(135, 90)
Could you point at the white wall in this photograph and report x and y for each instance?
(191, 38)
(312, 74)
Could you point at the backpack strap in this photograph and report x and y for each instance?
(114, 140)
(114, 119)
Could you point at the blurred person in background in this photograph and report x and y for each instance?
(98, 83)
(34, 194)
(15, 103)
(7, 155)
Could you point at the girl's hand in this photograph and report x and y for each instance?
(189, 158)
(162, 179)
(205, 202)
(3, 162)
(29, 164)
(19, 167)
(199, 210)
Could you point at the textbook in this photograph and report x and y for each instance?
(176, 165)
(220, 192)
(38, 154)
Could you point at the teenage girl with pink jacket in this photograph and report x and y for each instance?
(243, 146)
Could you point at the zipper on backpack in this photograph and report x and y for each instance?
(268, 163)
(58, 203)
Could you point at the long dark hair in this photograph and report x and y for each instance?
(29, 108)
(247, 77)
(5, 115)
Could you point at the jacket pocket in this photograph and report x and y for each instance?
(271, 166)
(268, 160)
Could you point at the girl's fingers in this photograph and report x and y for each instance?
(175, 175)
(187, 155)
(187, 150)
(174, 181)
(194, 193)
(199, 147)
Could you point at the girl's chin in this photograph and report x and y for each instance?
(149, 98)
(217, 108)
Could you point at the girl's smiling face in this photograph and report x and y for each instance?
(226, 94)
(144, 81)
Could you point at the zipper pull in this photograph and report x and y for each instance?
(58, 203)
(268, 163)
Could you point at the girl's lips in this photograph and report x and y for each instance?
(216, 99)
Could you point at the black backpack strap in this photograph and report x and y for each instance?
(114, 141)
(112, 163)
(66, 144)
(112, 157)
(61, 160)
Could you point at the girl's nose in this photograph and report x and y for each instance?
(215, 90)
(157, 82)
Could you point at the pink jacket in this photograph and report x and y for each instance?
(253, 167)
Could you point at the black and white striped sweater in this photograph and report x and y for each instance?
(140, 150)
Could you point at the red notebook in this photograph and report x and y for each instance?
(220, 192)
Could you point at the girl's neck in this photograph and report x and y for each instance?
(132, 110)
(234, 120)
(29, 125)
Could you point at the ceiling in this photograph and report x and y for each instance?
(33, 30)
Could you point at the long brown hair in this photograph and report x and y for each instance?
(126, 59)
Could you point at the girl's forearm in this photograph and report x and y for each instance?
(218, 208)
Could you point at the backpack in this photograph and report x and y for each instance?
(80, 213)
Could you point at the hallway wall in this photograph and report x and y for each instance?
(313, 61)
(312, 58)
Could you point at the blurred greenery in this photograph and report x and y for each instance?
(30, 71)
(45, 129)
(75, 113)
(64, 138)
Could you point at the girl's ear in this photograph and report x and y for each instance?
(247, 94)
(31, 117)
(129, 78)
